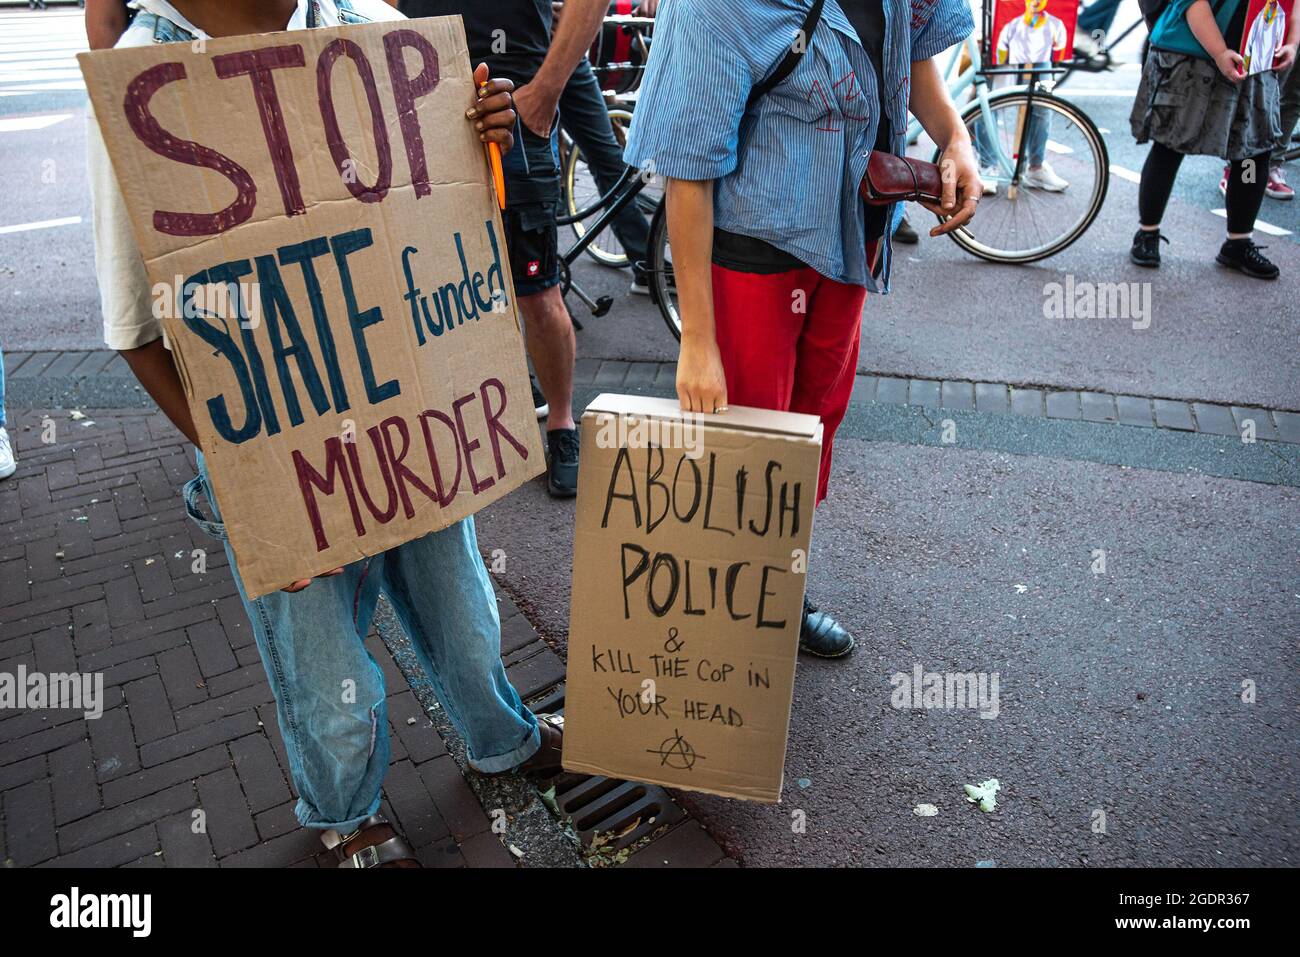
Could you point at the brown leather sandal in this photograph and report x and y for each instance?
(360, 849)
(546, 759)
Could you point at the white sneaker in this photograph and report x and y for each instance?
(989, 177)
(1044, 177)
(8, 464)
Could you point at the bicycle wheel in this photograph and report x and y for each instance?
(581, 192)
(1027, 217)
(662, 282)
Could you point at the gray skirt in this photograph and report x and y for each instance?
(1185, 104)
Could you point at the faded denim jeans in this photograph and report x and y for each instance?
(329, 691)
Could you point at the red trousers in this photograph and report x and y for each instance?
(789, 341)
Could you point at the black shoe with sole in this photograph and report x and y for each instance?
(1146, 247)
(822, 635)
(905, 233)
(562, 471)
(1244, 256)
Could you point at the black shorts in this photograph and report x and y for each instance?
(532, 198)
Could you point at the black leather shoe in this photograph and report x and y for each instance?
(821, 635)
(905, 233)
(562, 472)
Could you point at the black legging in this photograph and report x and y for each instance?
(1244, 198)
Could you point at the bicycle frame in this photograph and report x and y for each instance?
(625, 191)
(957, 82)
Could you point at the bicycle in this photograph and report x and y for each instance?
(605, 210)
(618, 57)
(1018, 223)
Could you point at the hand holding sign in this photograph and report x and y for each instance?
(493, 115)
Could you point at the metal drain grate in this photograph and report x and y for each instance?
(599, 805)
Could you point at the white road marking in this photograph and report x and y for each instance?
(42, 87)
(10, 54)
(16, 124)
(1056, 147)
(1262, 226)
(38, 53)
(37, 76)
(1127, 174)
(43, 224)
(52, 63)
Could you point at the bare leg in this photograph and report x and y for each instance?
(552, 346)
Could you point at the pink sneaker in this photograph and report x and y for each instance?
(1223, 183)
(1277, 187)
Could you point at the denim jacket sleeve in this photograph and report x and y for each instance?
(698, 77)
(937, 25)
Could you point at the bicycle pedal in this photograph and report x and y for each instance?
(602, 306)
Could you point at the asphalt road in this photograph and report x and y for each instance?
(1120, 692)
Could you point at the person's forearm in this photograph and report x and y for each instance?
(573, 36)
(690, 232)
(105, 23)
(1200, 19)
(153, 366)
(933, 107)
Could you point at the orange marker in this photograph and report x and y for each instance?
(498, 174)
(494, 160)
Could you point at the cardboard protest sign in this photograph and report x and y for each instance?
(689, 559)
(1264, 33)
(318, 221)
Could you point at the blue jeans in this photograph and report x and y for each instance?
(2, 390)
(329, 692)
(586, 118)
(1037, 129)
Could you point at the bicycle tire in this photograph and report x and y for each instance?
(963, 238)
(601, 254)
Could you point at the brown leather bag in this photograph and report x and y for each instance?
(895, 179)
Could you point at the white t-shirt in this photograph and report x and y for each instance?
(1022, 43)
(125, 296)
(1263, 40)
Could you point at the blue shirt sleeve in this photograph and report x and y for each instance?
(937, 25)
(693, 94)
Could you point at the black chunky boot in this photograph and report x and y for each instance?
(1146, 247)
(1244, 256)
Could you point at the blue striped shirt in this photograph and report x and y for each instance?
(788, 170)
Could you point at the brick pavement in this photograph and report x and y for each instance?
(96, 575)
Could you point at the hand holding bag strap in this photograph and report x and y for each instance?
(791, 58)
